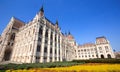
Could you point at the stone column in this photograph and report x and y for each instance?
(98, 51)
(104, 51)
(53, 48)
(43, 44)
(48, 47)
(57, 49)
(2, 53)
(34, 46)
(4, 44)
(61, 48)
(65, 49)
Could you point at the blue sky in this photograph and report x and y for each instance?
(85, 19)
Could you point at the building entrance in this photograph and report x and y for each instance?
(7, 55)
(109, 56)
(102, 56)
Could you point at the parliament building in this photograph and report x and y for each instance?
(40, 40)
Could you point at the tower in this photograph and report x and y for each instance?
(8, 38)
(104, 50)
(41, 12)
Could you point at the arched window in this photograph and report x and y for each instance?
(102, 56)
(51, 37)
(39, 39)
(7, 55)
(55, 51)
(40, 30)
(45, 49)
(12, 36)
(109, 56)
(38, 48)
(46, 33)
(51, 50)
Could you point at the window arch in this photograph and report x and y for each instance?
(38, 48)
(108, 56)
(13, 36)
(102, 56)
(46, 33)
(51, 36)
(40, 30)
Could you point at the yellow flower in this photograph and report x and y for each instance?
(77, 68)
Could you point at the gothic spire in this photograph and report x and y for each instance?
(69, 33)
(65, 33)
(56, 22)
(42, 10)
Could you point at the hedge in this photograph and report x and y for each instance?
(98, 61)
(38, 65)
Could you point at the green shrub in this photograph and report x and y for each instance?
(98, 61)
(38, 65)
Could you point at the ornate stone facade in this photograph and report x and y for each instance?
(101, 49)
(38, 41)
(42, 41)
